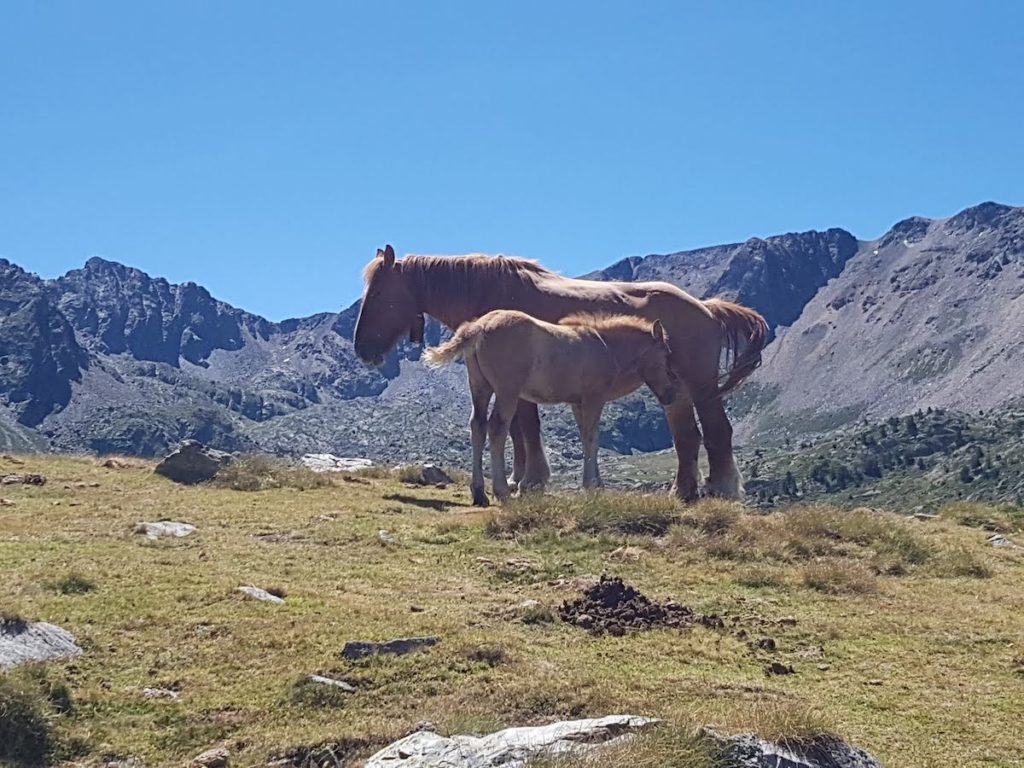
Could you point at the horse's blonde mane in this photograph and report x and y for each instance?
(607, 321)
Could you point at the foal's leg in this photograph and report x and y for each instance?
(518, 452)
(588, 419)
(497, 431)
(686, 439)
(481, 392)
(724, 477)
(536, 472)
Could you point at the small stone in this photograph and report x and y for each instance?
(321, 680)
(416, 609)
(874, 681)
(160, 693)
(529, 605)
(128, 762)
(386, 538)
(212, 758)
(787, 621)
(20, 479)
(164, 528)
(358, 649)
(261, 594)
(766, 644)
(778, 668)
(824, 667)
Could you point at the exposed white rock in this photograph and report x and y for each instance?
(328, 462)
(510, 748)
(330, 681)
(164, 528)
(261, 594)
(22, 642)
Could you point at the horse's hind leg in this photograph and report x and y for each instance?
(686, 439)
(536, 470)
(481, 392)
(497, 432)
(724, 477)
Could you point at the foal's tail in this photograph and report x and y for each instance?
(462, 342)
(746, 334)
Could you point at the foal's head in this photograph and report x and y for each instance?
(388, 311)
(654, 366)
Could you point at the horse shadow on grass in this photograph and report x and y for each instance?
(438, 505)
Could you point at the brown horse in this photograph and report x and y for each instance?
(585, 360)
(457, 289)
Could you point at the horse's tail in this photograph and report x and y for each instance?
(457, 346)
(746, 334)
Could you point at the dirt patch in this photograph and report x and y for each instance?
(615, 608)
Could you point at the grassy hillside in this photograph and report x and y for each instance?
(912, 463)
(904, 636)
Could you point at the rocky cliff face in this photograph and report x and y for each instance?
(39, 354)
(930, 314)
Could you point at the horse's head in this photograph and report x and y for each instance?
(655, 366)
(388, 311)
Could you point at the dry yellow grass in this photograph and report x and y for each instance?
(926, 666)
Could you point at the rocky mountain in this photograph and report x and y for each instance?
(109, 359)
(929, 315)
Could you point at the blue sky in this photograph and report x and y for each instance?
(265, 149)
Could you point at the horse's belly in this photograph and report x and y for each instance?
(548, 396)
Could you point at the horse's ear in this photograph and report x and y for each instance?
(389, 256)
(658, 332)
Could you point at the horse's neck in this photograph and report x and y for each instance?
(485, 292)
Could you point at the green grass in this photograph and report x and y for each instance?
(925, 665)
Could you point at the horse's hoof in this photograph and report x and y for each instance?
(480, 499)
(685, 495)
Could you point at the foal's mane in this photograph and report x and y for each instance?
(607, 321)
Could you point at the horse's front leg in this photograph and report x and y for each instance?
(536, 470)
(588, 419)
(686, 439)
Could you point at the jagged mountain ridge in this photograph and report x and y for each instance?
(106, 358)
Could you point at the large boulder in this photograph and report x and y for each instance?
(193, 463)
(510, 748)
(22, 642)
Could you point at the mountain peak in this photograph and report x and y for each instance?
(984, 215)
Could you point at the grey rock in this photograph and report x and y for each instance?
(428, 474)
(22, 479)
(22, 642)
(749, 751)
(328, 462)
(358, 649)
(386, 537)
(212, 758)
(193, 463)
(998, 540)
(261, 594)
(127, 762)
(510, 748)
(159, 693)
(164, 528)
(329, 681)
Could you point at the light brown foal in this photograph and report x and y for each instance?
(584, 360)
